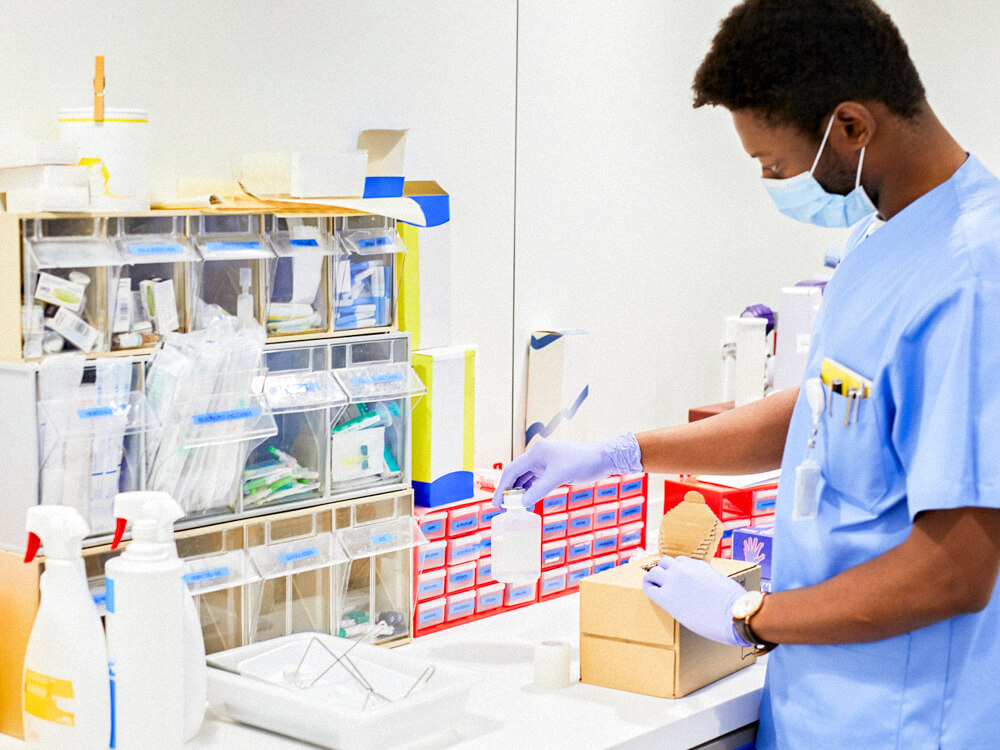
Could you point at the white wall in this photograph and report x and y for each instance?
(637, 217)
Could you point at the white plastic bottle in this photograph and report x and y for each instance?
(517, 541)
(145, 625)
(67, 700)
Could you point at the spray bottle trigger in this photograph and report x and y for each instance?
(120, 525)
(34, 542)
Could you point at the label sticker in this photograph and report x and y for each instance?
(40, 697)
(207, 575)
(432, 527)
(386, 538)
(433, 614)
(302, 554)
(370, 242)
(226, 416)
(462, 577)
(464, 523)
(387, 377)
(490, 600)
(426, 588)
(303, 243)
(167, 248)
(94, 413)
(223, 247)
(460, 607)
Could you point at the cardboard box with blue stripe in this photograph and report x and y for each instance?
(444, 425)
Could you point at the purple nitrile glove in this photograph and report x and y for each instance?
(696, 595)
(551, 463)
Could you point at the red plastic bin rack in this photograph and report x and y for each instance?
(726, 502)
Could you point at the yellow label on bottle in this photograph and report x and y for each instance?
(40, 694)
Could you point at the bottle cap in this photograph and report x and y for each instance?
(152, 515)
(513, 498)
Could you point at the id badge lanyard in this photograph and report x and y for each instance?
(806, 503)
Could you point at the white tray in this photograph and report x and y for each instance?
(257, 685)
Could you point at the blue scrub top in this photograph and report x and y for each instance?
(914, 307)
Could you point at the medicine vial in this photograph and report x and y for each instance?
(517, 541)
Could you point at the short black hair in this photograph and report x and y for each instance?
(794, 61)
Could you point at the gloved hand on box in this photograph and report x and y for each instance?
(696, 595)
(551, 463)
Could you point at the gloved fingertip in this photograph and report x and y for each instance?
(666, 562)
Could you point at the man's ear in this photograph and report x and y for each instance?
(854, 125)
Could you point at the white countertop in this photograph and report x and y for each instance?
(508, 711)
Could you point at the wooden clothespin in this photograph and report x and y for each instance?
(99, 88)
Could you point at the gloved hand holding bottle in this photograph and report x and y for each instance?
(551, 463)
(697, 595)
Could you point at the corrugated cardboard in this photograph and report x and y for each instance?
(629, 643)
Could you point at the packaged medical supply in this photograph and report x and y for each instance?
(605, 515)
(160, 304)
(553, 527)
(460, 605)
(517, 539)
(627, 642)
(552, 582)
(430, 585)
(461, 577)
(556, 502)
(553, 554)
(580, 495)
(65, 676)
(581, 521)
(464, 548)
(147, 619)
(754, 545)
(489, 597)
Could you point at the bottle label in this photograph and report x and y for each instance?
(40, 697)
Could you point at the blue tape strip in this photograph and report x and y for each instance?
(383, 187)
(545, 430)
(456, 485)
(436, 208)
(540, 342)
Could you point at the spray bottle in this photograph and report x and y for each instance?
(517, 541)
(155, 646)
(67, 702)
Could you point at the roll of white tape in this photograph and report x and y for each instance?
(552, 664)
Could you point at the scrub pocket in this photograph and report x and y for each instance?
(852, 453)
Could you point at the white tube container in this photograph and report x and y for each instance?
(65, 679)
(121, 142)
(145, 625)
(517, 541)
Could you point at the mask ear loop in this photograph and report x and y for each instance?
(822, 143)
(861, 160)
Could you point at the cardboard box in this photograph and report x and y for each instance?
(629, 643)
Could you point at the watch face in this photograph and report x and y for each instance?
(747, 604)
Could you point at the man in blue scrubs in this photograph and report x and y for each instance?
(885, 608)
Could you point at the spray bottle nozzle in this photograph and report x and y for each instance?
(34, 542)
(120, 524)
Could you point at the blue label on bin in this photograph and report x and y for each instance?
(770, 503)
(554, 528)
(431, 554)
(460, 608)
(386, 538)
(485, 571)
(581, 523)
(553, 554)
(603, 544)
(232, 415)
(635, 510)
(632, 486)
(469, 549)
(488, 515)
(109, 594)
(607, 491)
(95, 413)
(551, 503)
(491, 600)
(303, 243)
(580, 550)
(462, 576)
(370, 242)
(554, 584)
(631, 538)
(464, 523)
(727, 533)
(486, 544)
(386, 377)
(168, 248)
(605, 566)
(522, 593)
(222, 247)
(431, 614)
(581, 495)
(432, 527)
(576, 575)
(609, 516)
(427, 588)
(302, 554)
(207, 575)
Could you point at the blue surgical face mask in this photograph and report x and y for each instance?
(803, 198)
